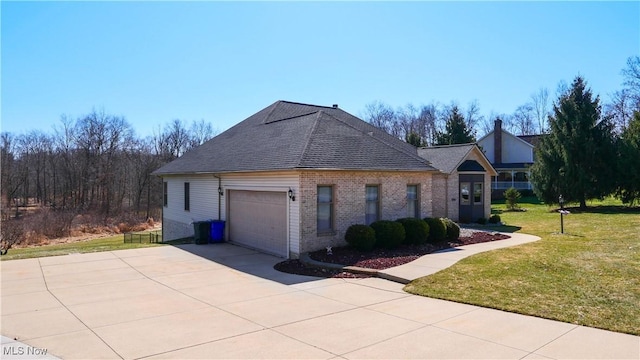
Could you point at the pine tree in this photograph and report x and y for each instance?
(414, 139)
(577, 158)
(629, 162)
(456, 130)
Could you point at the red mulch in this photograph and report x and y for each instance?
(378, 259)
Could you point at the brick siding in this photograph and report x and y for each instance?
(349, 201)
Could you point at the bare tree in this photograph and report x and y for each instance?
(541, 110)
(201, 132)
(627, 100)
(523, 120)
(632, 79)
(426, 123)
(172, 141)
(620, 110)
(380, 115)
(473, 116)
(12, 174)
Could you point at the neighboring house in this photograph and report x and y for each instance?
(511, 156)
(293, 177)
(463, 190)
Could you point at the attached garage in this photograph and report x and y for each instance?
(258, 219)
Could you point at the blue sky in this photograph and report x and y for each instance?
(152, 62)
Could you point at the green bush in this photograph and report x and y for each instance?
(494, 219)
(360, 237)
(453, 230)
(416, 231)
(437, 229)
(511, 197)
(389, 234)
(482, 221)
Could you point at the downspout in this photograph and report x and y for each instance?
(161, 208)
(219, 194)
(446, 192)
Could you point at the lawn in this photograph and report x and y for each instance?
(589, 276)
(110, 243)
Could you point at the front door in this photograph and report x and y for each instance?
(471, 206)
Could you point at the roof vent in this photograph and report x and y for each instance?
(335, 106)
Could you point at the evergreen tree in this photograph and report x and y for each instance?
(456, 130)
(629, 162)
(577, 158)
(414, 139)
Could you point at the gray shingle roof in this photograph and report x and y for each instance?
(288, 135)
(447, 157)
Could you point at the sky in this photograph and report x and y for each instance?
(152, 62)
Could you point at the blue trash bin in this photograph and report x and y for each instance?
(217, 231)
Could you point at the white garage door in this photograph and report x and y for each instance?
(258, 219)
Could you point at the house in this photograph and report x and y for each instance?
(463, 182)
(511, 156)
(293, 177)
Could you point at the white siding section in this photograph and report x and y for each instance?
(515, 150)
(203, 204)
(486, 144)
(270, 182)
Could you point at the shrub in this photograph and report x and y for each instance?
(494, 219)
(361, 237)
(437, 229)
(389, 234)
(416, 230)
(482, 221)
(12, 234)
(511, 198)
(453, 230)
(49, 223)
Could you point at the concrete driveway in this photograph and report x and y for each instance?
(224, 301)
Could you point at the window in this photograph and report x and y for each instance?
(521, 176)
(325, 209)
(165, 194)
(465, 193)
(372, 211)
(186, 196)
(477, 193)
(413, 203)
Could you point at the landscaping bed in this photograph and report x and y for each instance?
(379, 259)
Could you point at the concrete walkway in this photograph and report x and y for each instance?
(432, 263)
(224, 301)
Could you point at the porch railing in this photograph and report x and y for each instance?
(519, 185)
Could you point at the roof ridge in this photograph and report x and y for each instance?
(465, 155)
(275, 106)
(449, 145)
(415, 156)
(308, 142)
(289, 118)
(305, 104)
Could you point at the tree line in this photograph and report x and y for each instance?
(97, 164)
(94, 163)
(587, 150)
(438, 124)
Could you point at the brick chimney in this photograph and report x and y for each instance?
(497, 142)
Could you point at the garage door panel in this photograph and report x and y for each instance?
(259, 219)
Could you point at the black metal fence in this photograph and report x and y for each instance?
(147, 237)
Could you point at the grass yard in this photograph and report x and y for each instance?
(110, 243)
(589, 276)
